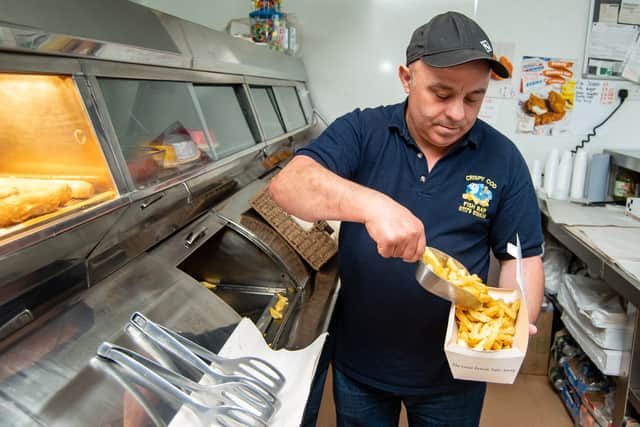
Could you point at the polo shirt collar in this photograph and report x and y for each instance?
(399, 122)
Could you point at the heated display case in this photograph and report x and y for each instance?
(52, 164)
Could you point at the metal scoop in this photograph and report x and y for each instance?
(435, 284)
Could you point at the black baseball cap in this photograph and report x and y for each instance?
(451, 39)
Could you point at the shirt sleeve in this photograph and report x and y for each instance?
(518, 213)
(339, 147)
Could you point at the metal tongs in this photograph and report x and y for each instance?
(222, 414)
(169, 342)
(441, 287)
(254, 367)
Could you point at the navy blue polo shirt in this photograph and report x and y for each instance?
(389, 332)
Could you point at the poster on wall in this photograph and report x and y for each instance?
(500, 87)
(490, 111)
(547, 90)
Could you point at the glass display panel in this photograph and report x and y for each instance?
(51, 162)
(290, 107)
(226, 120)
(158, 127)
(267, 114)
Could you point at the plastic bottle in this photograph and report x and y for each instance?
(563, 177)
(550, 171)
(579, 175)
(294, 35)
(276, 38)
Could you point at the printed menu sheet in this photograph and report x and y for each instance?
(594, 101)
(546, 99)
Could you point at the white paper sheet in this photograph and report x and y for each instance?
(594, 101)
(564, 212)
(608, 13)
(616, 243)
(631, 70)
(503, 88)
(298, 367)
(490, 111)
(611, 41)
(629, 12)
(631, 267)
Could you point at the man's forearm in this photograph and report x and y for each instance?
(533, 277)
(309, 191)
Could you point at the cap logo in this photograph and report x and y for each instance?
(486, 45)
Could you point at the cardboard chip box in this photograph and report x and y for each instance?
(497, 366)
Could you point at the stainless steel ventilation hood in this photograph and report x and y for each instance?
(123, 31)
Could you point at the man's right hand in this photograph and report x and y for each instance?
(397, 232)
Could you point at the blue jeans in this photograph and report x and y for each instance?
(360, 405)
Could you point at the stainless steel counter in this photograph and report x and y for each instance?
(49, 376)
(602, 267)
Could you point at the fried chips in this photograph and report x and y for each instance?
(489, 327)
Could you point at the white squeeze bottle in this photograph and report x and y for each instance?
(563, 184)
(550, 171)
(579, 175)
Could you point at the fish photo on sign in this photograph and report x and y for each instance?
(547, 90)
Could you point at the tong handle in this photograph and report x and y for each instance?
(173, 377)
(168, 342)
(157, 383)
(165, 339)
(273, 373)
(146, 376)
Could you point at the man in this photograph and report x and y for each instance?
(398, 177)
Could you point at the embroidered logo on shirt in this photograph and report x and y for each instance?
(477, 196)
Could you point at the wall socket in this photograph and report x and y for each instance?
(632, 208)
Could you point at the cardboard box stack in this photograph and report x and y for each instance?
(536, 362)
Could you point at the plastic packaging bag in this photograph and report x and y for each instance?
(555, 262)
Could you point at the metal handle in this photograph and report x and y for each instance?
(237, 393)
(130, 386)
(149, 202)
(149, 378)
(267, 369)
(153, 331)
(195, 236)
(19, 321)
